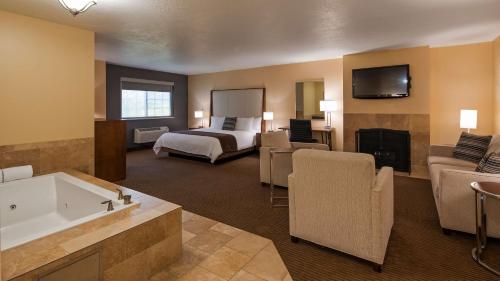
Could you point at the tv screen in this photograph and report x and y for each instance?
(381, 82)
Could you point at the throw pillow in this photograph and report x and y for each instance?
(471, 147)
(491, 165)
(483, 162)
(257, 122)
(216, 122)
(229, 124)
(244, 124)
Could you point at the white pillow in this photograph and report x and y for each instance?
(257, 123)
(216, 122)
(244, 124)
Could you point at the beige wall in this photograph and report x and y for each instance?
(100, 90)
(46, 81)
(416, 103)
(461, 78)
(496, 50)
(279, 82)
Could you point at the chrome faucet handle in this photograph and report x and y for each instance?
(127, 199)
(120, 194)
(110, 205)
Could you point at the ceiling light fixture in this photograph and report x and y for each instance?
(76, 7)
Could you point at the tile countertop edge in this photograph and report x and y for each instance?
(149, 209)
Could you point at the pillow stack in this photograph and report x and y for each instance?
(471, 147)
(474, 148)
(250, 124)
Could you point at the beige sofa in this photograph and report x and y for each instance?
(282, 163)
(337, 200)
(454, 198)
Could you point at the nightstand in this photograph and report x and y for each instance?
(257, 140)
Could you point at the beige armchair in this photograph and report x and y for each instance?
(337, 200)
(282, 163)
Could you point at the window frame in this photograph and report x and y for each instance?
(156, 82)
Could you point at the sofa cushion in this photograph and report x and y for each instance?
(471, 147)
(489, 164)
(450, 161)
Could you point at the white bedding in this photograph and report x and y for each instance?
(203, 145)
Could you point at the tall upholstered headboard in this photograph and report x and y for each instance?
(238, 103)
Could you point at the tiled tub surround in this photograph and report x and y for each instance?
(52, 156)
(133, 244)
(417, 124)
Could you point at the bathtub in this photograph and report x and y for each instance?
(40, 206)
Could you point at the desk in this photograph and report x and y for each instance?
(326, 134)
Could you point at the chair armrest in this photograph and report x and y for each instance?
(445, 150)
(382, 212)
(282, 166)
(318, 146)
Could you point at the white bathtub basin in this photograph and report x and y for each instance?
(33, 208)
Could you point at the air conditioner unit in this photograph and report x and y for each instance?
(146, 135)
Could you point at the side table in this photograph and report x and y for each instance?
(273, 153)
(483, 190)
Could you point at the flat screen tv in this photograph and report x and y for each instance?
(381, 82)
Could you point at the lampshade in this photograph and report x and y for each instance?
(328, 105)
(198, 114)
(468, 119)
(268, 115)
(77, 6)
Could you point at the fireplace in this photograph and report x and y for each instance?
(389, 147)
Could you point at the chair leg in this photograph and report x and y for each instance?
(294, 239)
(446, 231)
(377, 267)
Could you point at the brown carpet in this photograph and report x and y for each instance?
(231, 193)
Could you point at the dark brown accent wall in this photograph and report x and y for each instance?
(113, 98)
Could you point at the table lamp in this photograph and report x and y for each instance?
(468, 119)
(198, 114)
(268, 116)
(328, 106)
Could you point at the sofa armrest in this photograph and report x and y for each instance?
(318, 146)
(445, 150)
(456, 198)
(382, 212)
(460, 179)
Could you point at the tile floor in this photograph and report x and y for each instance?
(213, 251)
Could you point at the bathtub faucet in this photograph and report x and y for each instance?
(120, 194)
(110, 205)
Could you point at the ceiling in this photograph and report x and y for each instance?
(201, 36)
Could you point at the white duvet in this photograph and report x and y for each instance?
(203, 145)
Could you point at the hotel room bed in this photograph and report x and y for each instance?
(214, 143)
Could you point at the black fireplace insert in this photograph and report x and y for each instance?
(389, 147)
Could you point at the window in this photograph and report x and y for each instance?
(146, 99)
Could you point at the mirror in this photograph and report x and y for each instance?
(308, 94)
